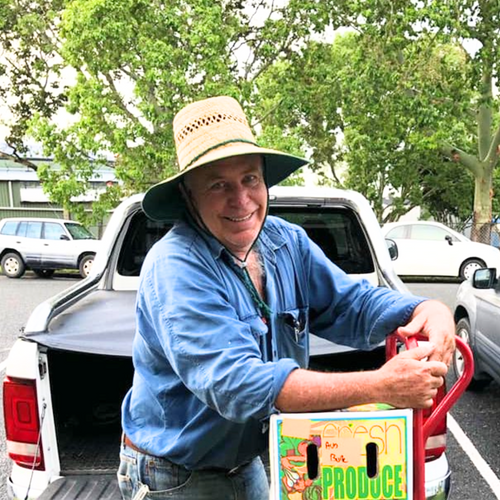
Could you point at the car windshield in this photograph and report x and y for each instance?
(79, 232)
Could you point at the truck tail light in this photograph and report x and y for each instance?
(22, 423)
(436, 443)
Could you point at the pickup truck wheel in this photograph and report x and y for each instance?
(13, 265)
(469, 266)
(86, 265)
(44, 273)
(463, 331)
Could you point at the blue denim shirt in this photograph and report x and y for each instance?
(207, 368)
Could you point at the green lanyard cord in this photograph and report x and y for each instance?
(263, 308)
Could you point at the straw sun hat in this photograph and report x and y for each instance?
(206, 131)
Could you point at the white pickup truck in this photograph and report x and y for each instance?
(68, 372)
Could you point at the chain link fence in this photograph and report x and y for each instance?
(486, 233)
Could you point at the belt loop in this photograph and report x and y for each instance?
(142, 492)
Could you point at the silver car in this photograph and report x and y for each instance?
(44, 245)
(477, 315)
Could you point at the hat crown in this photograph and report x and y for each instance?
(206, 125)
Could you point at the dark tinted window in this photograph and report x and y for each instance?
(9, 228)
(79, 232)
(142, 234)
(337, 231)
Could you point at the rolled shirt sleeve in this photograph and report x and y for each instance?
(349, 311)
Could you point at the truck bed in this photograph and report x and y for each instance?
(83, 487)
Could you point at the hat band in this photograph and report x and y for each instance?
(215, 146)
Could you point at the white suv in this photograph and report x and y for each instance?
(44, 245)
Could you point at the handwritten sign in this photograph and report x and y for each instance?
(342, 452)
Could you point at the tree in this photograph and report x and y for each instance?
(134, 64)
(30, 69)
(396, 119)
(390, 103)
(352, 102)
(471, 25)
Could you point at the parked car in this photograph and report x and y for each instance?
(72, 365)
(432, 249)
(44, 245)
(477, 315)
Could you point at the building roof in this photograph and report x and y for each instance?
(12, 171)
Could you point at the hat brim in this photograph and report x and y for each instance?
(163, 201)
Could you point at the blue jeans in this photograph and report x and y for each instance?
(143, 476)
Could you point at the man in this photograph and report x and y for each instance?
(225, 305)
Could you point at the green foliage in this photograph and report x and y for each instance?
(381, 112)
(395, 108)
(134, 64)
(397, 112)
(454, 105)
(29, 68)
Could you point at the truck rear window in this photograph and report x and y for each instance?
(336, 230)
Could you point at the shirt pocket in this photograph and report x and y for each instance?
(293, 335)
(259, 332)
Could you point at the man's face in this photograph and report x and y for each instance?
(231, 198)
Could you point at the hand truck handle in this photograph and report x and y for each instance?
(458, 387)
(422, 430)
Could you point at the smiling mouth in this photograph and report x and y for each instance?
(239, 219)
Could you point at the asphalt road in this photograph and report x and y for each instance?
(476, 413)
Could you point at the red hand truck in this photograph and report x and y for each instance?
(423, 429)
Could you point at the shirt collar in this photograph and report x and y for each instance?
(270, 240)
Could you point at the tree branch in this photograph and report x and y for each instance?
(117, 100)
(17, 159)
(492, 156)
(270, 112)
(457, 155)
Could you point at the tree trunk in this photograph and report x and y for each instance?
(66, 214)
(481, 225)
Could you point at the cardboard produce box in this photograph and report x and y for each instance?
(361, 453)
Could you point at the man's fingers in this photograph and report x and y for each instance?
(420, 352)
(439, 382)
(438, 368)
(426, 350)
(445, 353)
(412, 328)
(428, 403)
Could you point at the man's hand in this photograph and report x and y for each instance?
(409, 381)
(434, 320)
